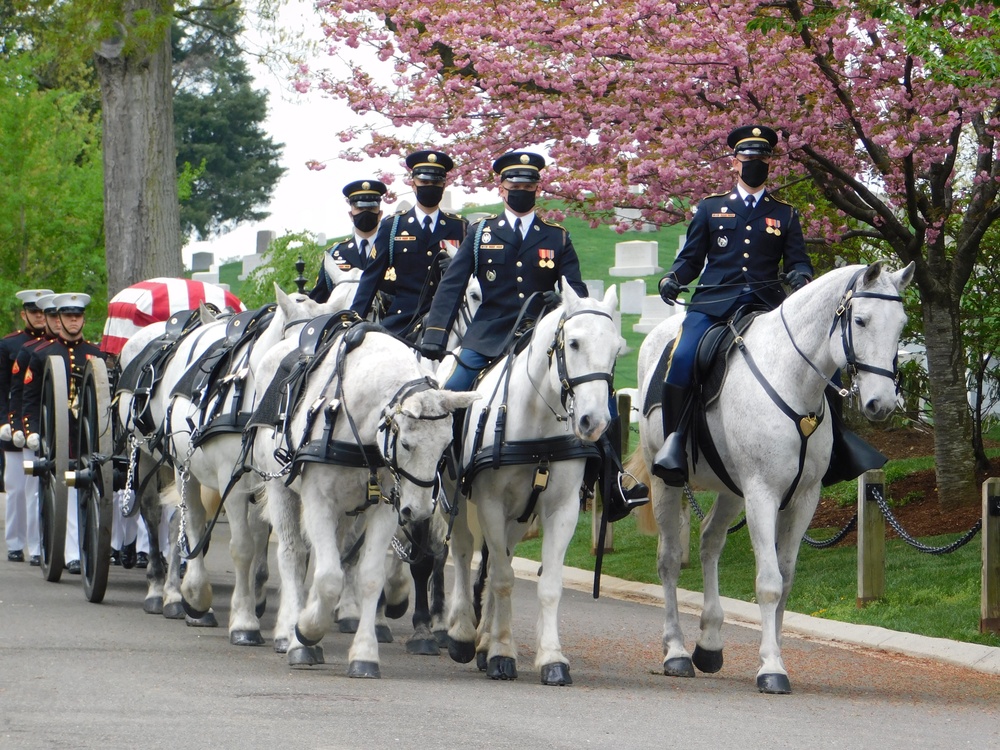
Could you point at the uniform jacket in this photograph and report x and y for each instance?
(17, 379)
(74, 355)
(507, 275)
(739, 250)
(347, 255)
(413, 263)
(10, 345)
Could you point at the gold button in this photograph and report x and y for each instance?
(404, 249)
(747, 241)
(748, 227)
(519, 264)
(489, 260)
(429, 252)
(746, 255)
(519, 279)
(744, 268)
(521, 295)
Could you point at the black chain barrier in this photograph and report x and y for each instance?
(701, 514)
(919, 546)
(848, 528)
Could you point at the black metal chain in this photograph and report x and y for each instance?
(701, 514)
(848, 528)
(919, 546)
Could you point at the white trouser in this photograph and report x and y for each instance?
(72, 547)
(31, 505)
(13, 478)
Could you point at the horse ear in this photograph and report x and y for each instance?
(903, 277)
(611, 298)
(568, 292)
(431, 402)
(872, 273)
(459, 399)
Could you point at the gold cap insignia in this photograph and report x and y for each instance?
(525, 159)
(366, 185)
(756, 131)
(432, 158)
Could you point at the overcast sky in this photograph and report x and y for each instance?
(304, 199)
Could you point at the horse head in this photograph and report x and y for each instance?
(415, 431)
(871, 319)
(585, 346)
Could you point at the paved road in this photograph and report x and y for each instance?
(75, 674)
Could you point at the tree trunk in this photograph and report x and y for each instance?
(141, 207)
(955, 465)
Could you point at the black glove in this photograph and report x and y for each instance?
(551, 298)
(443, 261)
(432, 350)
(796, 279)
(670, 287)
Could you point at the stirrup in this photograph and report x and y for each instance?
(635, 496)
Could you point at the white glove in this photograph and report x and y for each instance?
(5, 431)
(18, 439)
(33, 441)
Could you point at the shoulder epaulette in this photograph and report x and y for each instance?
(718, 195)
(13, 333)
(453, 216)
(486, 218)
(548, 223)
(776, 199)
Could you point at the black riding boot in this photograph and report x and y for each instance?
(620, 500)
(671, 462)
(851, 455)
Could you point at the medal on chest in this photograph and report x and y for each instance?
(390, 273)
(773, 227)
(545, 258)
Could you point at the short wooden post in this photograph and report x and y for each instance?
(871, 538)
(989, 613)
(625, 413)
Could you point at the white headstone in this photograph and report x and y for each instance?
(636, 258)
(264, 238)
(211, 277)
(250, 262)
(202, 261)
(595, 288)
(655, 311)
(634, 215)
(631, 295)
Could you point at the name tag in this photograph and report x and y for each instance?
(405, 238)
(723, 216)
(492, 247)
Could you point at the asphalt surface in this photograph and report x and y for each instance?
(81, 675)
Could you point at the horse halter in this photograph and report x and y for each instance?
(389, 429)
(847, 330)
(558, 347)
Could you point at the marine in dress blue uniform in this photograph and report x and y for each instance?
(514, 255)
(74, 350)
(16, 528)
(737, 243)
(365, 200)
(412, 248)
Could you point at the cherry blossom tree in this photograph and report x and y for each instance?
(891, 110)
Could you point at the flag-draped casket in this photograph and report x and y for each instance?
(155, 300)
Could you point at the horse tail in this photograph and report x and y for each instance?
(645, 522)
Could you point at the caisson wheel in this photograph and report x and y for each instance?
(91, 475)
(50, 466)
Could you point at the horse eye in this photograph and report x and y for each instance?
(404, 445)
(574, 345)
(859, 321)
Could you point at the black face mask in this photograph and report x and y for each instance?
(520, 201)
(429, 196)
(754, 172)
(365, 221)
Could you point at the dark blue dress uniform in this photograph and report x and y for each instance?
(10, 346)
(350, 253)
(405, 267)
(509, 272)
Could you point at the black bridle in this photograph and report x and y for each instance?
(389, 430)
(558, 347)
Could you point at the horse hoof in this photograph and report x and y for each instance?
(556, 674)
(501, 668)
(305, 656)
(481, 661)
(246, 638)
(707, 661)
(174, 611)
(348, 625)
(306, 641)
(774, 684)
(679, 666)
(153, 605)
(422, 647)
(207, 620)
(194, 614)
(441, 636)
(281, 645)
(395, 611)
(383, 634)
(461, 651)
(261, 608)
(367, 669)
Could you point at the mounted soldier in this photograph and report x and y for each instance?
(518, 259)
(365, 200)
(412, 249)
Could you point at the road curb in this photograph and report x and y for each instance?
(848, 635)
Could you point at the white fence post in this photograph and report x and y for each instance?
(871, 538)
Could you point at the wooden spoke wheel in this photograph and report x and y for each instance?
(91, 475)
(50, 466)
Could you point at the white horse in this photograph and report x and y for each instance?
(377, 400)
(554, 395)
(848, 318)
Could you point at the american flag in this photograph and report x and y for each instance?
(135, 307)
